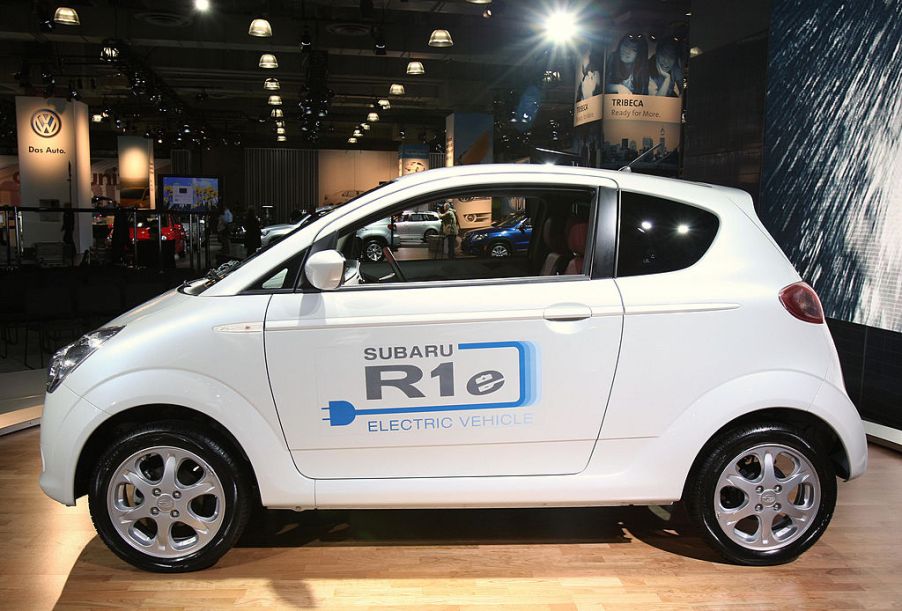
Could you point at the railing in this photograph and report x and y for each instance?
(27, 230)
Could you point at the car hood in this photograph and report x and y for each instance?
(485, 231)
(148, 308)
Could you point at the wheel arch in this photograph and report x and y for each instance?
(102, 436)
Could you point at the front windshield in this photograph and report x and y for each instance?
(510, 222)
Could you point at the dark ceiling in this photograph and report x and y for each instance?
(179, 67)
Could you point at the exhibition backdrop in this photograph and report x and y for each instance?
(832, 180)
(633, 91)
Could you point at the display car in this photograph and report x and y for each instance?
(170, 229)
(510, 236)
(651, 344)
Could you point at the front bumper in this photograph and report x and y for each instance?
(66, 425)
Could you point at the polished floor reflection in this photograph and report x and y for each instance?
(618, 557)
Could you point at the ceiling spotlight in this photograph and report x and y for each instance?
(260, 27)
(280, 123)
(551, 76)
(379, 44)
(396, 89)
(561, 27)
(352, 140)
(277, 113)
(274, 100)
(372, 117)
(109, 53)
(384, 103)
(306, 40)
(65, 15)
(280, 131)
(281, 138)
(487, 13)
(440, 38)
(415, 67)
(357, 133)
(268, 60)
(96, 118)
(271, 84)
(202, 5)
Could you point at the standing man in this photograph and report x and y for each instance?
(450, 228)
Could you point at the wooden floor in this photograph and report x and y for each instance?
(543, 559)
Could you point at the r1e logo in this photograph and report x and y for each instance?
(406, 377)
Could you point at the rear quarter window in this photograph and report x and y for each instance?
(659, 235)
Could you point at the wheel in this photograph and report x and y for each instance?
(429, 232)
(499, 249)
(372, 250)
(168, 497)
(763, 494)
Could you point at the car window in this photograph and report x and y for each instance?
(467, 247)
(658, 235)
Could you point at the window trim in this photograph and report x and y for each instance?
(330, 240)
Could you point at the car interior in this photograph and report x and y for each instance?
(558, 246)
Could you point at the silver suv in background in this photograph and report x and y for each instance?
(376, 236)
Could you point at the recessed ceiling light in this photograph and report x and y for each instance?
(415, 68)
(277, 113)
(260, 27)
(202, 5)
(372, 117)
(352, 140)
(274, 100)
(271, 84)
(268, 60)
(396, 89)
(384, 103)
(96, 118)
(280, 131)
(281, 138)
(357, 133)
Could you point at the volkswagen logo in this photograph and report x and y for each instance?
(46, 123)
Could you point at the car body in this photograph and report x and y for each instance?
(171, 229)
(508, 237)
(620, 377)
(273, 233)
(414, 226)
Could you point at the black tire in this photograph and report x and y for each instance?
(236, 490)
(498, 247)
(429, 232)
(369, 248)
(701, 488)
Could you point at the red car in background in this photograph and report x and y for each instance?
(171, 229)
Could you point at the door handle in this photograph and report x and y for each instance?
(567, 312)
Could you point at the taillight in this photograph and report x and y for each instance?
(801, 301)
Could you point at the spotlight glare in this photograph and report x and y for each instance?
(202, 5)
(561, 27)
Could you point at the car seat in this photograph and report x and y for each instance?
(555, 241)
(577, 232)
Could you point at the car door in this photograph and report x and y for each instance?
(506, 376)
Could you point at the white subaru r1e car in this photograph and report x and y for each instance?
(652, 344)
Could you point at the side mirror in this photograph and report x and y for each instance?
(325, 269)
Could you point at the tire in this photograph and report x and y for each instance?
(372, 250)
(129, 522)
(429, 232)
(797, 512)
(499, 249)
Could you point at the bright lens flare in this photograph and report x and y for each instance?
(561, 27)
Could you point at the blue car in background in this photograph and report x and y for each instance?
(508, 237)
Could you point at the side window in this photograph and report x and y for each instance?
(659, 235)
(478, 235)
(280, 278)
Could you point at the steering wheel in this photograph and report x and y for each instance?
(395, 268)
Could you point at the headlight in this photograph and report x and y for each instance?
(69, 357)
(479, 236)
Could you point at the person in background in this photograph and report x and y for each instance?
(119, 241)
(223, 226)
(450, 228)
(67, 229)
(252, 236)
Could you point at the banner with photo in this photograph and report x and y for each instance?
(635, 89)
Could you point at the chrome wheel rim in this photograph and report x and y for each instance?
(767, 497)
(166, 502)
(499, 250)
(373, 251)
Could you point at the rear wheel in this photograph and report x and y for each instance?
(429, 233)
(763, 494)
(169, 497)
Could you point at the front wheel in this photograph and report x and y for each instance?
(429, 233)
(762, 494)
(169, 497)
(499, 249)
